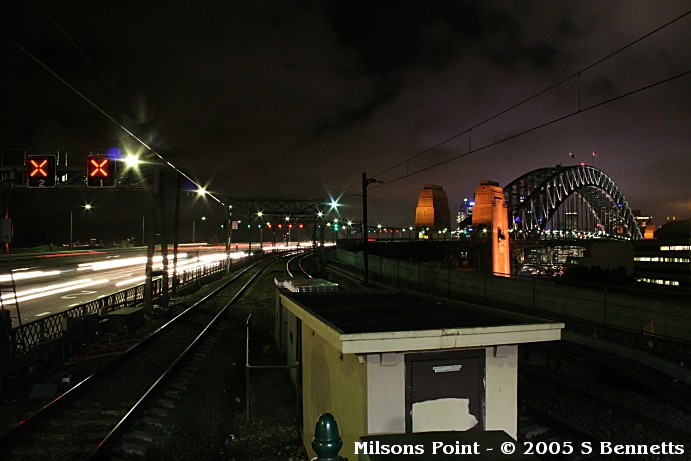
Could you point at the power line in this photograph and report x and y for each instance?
(81, 52)
(520, 103)
(108, 116)
(537, 127)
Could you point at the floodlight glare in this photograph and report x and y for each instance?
(132, 161)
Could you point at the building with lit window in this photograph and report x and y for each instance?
(645, 224)
(665, 260)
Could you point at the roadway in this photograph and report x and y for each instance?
(48, 283)
(52, 282)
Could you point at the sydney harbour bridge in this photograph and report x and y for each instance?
(579, 200)
(551, 215)
(567, 202)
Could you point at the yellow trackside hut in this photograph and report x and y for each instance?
(388, 363)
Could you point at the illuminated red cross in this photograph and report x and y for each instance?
(38, 168)
(99, 168)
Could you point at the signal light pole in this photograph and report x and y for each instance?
(365, 183)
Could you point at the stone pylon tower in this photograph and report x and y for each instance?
(432, 210)
(491, 224)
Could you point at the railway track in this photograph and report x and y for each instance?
(568, 409)
(638, 416)
(295, 266)
(87, 421)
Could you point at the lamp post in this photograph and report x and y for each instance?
(335, 231)
(86, 207)
(261, 229)
(203, 218)
(365, 183)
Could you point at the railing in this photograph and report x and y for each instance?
(30, 335)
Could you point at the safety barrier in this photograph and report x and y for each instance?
(29, 336)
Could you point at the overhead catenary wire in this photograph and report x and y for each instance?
(108, 116)
(536, 127)
(78, 48)
(469, 130)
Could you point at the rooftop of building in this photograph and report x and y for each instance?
(388, 321)
(385, 312)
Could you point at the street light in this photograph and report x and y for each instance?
(335, 228)
(365, 184)
(289, 227)
(334, 204)
(261, 229)
(86, 207)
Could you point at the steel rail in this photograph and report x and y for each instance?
(7, 440)
(683, 434)
(304, 272)
(100, 452)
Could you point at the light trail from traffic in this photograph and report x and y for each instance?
(50, 290)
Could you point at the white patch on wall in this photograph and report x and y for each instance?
(451, 414)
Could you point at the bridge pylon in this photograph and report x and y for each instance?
(491, 223)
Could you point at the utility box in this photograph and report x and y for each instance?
(394, 363)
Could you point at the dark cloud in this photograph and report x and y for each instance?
(269, 98)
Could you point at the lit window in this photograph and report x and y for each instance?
(675, 248)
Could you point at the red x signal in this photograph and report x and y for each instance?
(100, 171)
(38, 167)
(99, 168)
(40, 171)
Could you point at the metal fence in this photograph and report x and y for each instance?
(30, 335)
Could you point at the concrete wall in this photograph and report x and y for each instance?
(332, 383)
(535, 296)
(501, 387)
(386, 391)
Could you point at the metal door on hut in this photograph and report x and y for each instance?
(445, 391)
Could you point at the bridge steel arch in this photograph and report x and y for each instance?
(535, 197)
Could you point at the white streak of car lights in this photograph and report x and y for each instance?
(27, 275)
(182, 267)
(50, 290)
(131, 280)
(140, 260)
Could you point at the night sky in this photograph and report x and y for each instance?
(296, 99)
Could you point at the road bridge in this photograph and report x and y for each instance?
(573, 202)
(580, 200)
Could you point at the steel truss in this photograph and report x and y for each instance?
(578, 197)
(304, 209)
